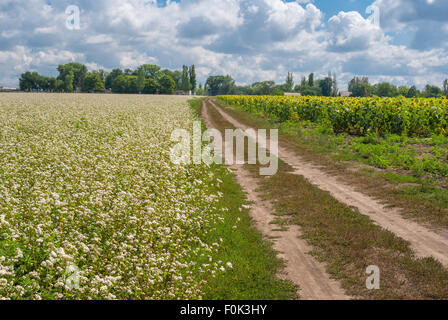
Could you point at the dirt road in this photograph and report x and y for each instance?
(424, 242)
(301, 268)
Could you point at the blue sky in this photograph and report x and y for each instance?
(251, 40)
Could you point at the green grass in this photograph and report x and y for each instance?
(387, 164)
(349, 242)
(255, 264)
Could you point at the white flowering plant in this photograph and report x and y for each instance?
(86, 183)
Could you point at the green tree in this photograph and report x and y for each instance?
(131, 84)
(326, 86)
(311, 80)
(311, 91)
(360, 87)
(140, 80)
(385, 89)
(167, 85)
(43, 83)
(263, 88)
(432, 91)
(200, 90)
(402, 91)
(112, 76)
(151, 86)
(186, 86)
(412, 92)
(220, 85)
(289, 82)
(68, 82)
(176, 75)
(56, 85)
(102, 74)
(193, 82)
(120, 84)
(278, 91)
(78, 70)
(93, 83)
(152, 71)
(29, 81)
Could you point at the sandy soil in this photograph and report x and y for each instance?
(301, 268)
(425, 242)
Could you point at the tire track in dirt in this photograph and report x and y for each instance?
(301, 268)
(424, 242)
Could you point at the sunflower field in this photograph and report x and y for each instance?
(357, 116)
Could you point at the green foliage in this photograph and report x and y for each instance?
(167, 85)
(92, 83)
(140, 79)
(186, 85)
(385, 89)
(326, 86)
(412, 92)
(278, 92)
(360, 87)
(432, 92)
(263, 88)
(120, 84)
(151, 71)
(78, 70)
(112, 76)
(311, 80)
(176, 75)
(218, 85)
(289, 82)
(193, 81)
(31, 81)
(148, 79)
(68, 82)
(151, 86)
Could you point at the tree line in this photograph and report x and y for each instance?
(148, 79)
(151, 79)
(360, 87)
(328, 86)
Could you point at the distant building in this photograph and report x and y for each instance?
(182, 93)
(345, 93)
(8, 89)
(292, 94)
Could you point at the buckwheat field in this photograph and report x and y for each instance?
(90, 199)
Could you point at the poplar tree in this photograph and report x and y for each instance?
(193, 81)
(186, 86)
